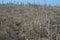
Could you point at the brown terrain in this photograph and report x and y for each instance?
(29, 22)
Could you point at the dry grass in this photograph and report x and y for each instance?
(32, 22)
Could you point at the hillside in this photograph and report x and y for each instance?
(29, 22)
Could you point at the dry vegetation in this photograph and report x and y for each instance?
(29, 22)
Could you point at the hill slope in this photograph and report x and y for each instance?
(29, 22)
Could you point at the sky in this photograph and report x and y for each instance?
(42, 2)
